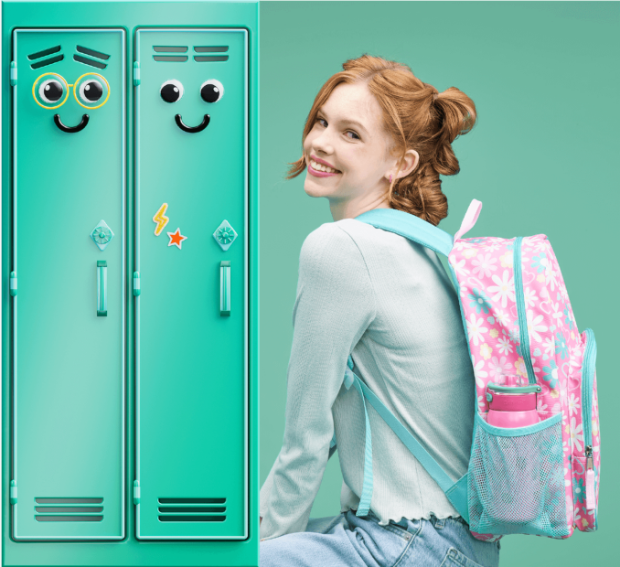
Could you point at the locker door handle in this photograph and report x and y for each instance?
(225, 288)
(102, 288)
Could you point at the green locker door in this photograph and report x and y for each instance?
(68, 191)
(191, 314)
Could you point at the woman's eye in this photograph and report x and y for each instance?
(211, 90)
(51, 90)
(322, 122)
(91, 91)
(354, 135)
(171, 91)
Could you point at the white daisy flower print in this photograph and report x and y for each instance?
(549, 346)
(460, 269)
(541, 407)
(462, 244)
(504, 346)
(535, 325)
(501, 318)
(499, 367)
(484, 265)
(476, 328)
(530, 297)
(504, 288)
(573, 404)
(576, 434)
(480, 374)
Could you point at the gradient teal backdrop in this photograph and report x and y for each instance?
(543, 158)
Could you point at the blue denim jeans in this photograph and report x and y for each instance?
(350, 541)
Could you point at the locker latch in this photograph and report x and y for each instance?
(13, 284)
(136, 492)
(13, 74)
(136, 283)
(13, 492)
(136, 73)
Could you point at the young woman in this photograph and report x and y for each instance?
(376, 137)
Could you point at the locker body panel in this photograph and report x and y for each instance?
(68, 370)
(191, 373)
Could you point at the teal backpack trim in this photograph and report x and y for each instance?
(411, 227)
(521, 312)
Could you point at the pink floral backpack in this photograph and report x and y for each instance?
(539, 479)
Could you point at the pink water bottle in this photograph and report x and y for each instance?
(512, 497)
(510, 404)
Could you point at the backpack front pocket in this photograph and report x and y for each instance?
(516, 479)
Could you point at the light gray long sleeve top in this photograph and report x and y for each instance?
(390, 304)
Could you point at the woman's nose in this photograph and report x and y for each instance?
(323, 143)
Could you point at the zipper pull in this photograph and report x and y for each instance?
(590, 499)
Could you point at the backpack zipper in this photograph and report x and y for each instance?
(523, 333)
(587, 385)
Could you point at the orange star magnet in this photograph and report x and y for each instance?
(160, 219)
(176, 238)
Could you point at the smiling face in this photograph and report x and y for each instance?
(349, 136)
(210, 91)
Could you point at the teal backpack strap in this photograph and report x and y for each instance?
(364, 504)
(411, 227)
(455, 491)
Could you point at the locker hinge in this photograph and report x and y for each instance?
(136, 283)
(13, 284)
(13, 492)
(136, 492)
(136, 73)
(13, 74)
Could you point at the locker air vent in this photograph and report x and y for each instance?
(91, 53)
(192, 509)
(170, 49)
(44, 53)
(210, 49)
(69, 510)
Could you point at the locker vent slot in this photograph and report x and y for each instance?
(170, 48)
(70, 510)
(91, 62)
(190, 512)
(209, 49)
(170, 58)
(92, 52)
(203, 58)
(43, 53)
(46, 62)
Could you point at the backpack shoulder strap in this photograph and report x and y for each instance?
(409, 226)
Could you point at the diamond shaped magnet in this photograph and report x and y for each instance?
(225, 235)
(101, 235)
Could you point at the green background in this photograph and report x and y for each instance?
(542, 158)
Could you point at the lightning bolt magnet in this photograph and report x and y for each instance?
(160, 219)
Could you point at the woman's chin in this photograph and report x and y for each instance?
(313, 189)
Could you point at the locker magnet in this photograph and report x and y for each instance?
(225, 235)
(176, 238)
(160, 219)
(102, 234)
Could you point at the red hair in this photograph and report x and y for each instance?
(416, 117)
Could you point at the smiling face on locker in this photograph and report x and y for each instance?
(68, 176)
(191, 109)
(52, 91)
(211, 91)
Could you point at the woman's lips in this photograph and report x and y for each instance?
(316, 173)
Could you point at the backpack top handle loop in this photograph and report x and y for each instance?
(470, 218)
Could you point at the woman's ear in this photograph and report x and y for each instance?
(408, 163)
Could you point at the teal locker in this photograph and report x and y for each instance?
(68, 417)
(130, 297)
(191, 315)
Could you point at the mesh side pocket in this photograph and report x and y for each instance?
(516, 480)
